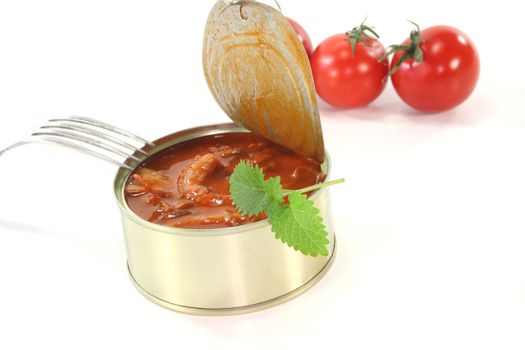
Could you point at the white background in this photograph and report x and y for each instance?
(430, 223)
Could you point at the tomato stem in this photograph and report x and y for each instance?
(412, 50)
(359, 34)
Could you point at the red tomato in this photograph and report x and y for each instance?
(303, 36)
(445, 77)
(347, 80)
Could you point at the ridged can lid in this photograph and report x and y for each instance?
(259, 73)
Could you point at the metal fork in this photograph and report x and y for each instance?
(90, 136)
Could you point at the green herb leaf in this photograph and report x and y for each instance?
(300, 226)
(274, 193)
(248, 189)
(297, 223)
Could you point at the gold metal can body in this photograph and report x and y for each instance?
(216, 271)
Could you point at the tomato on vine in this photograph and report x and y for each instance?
(435, 69)
(346, 68)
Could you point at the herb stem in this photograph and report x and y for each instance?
(316, 186)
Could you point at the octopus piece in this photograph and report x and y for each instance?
(256, 147)
(166, 211)
(155, 184)
(149, 181)
(226, 151)
(135, 190)
(191, 181)
(259, 158)
(261, 155)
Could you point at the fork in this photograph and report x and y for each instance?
(92, 137)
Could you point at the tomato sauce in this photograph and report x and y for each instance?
(187, 184)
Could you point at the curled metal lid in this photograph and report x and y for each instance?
(259, 73)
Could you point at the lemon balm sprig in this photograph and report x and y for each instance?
(296, 223)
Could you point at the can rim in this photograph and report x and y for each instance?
(172, 139)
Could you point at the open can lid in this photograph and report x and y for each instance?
(259, 73)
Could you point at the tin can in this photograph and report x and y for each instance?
(222, 271)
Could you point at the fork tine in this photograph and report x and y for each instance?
(86, 135)
(83, 149)
(95, 133)
(102, 125)
(84, 139)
